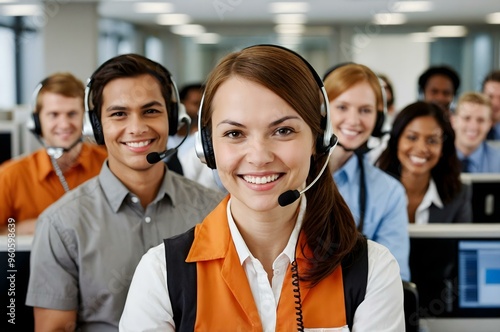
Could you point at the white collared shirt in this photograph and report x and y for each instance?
(430, 197)
(266, 296)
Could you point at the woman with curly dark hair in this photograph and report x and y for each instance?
(421, 154)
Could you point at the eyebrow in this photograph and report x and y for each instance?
(419, 133)
(349, 103)
(123, 108)
(272, 124)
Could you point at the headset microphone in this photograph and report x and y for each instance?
(56, 151)
(290, 196)
(155, 157)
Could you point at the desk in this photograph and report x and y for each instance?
(460, 325)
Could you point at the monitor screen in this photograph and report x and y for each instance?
(485, 196)
(456, 268)
(479, 274)
(9, 140)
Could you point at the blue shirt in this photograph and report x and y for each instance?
(386, 215)
(485, 159)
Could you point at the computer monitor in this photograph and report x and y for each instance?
(9, 140)
(14, 277)
(485, 196)
(456, 268)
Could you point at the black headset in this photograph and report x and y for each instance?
(325, 141)
(379, 121)
(175, 109)
(33, 123)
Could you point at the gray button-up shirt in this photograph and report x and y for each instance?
(88, 243)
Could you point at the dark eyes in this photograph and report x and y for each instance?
(122, 113)
(434, 140)
(285, 131)
(233, 134)
(117, 114)
(282, 131)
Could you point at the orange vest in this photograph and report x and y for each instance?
(225, 301)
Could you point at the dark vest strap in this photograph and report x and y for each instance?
(181, 280)
(355, 278)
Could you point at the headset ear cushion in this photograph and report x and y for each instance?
(37, 127)
(379, 123)
(206, 140)
(173, 118)
(320, 145)
(96, 127)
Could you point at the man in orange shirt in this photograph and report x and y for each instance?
(30, 184)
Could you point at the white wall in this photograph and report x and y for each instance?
(399, 58)
(70, 35)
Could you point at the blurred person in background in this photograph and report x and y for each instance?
(29, 184)
(472, 121)
(421, 154)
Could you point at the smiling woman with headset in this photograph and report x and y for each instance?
(377, 200)
(281, 252)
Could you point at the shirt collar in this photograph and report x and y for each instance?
(431, 197)
(116, 192)
(476, 156)
(348, 171)
(46, 167)
(241, 247)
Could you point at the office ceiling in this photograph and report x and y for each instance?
(250, 15)
(320, 12)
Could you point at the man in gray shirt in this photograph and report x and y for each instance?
(88, 243)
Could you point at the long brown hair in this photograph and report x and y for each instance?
(328, 223)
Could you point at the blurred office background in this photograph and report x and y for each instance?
(397, 38)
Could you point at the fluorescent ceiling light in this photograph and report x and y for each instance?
(389, 18)
(153, 7)
(412, 6)
(173, 19)
(421, 37)
(290, 19)
(444, 31)
(493, 18)
(208, 38)
(288, 7)
(289, 29)
(20, 10)
(189, 30)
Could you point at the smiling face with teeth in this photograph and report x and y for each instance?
(61, 119)
(353, 115)
(262, 146)
(135, 123)
(471, 123)
(420, 146)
